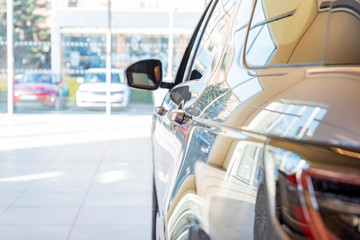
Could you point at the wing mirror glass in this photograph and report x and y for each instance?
(146, 74)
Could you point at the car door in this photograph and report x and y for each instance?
(169, 139)
(166, 137)
(221, 166)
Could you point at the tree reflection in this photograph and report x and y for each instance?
(213, 100)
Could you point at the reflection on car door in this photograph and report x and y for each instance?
(197, 168)
(166, 137)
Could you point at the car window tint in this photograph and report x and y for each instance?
(285, 32)
(101, 78)
(38, 78)
(212, 40)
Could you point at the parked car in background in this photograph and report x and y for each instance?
(92, 90)
(41, 89)
(259, 137)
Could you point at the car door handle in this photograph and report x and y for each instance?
(160, 111)
(179, 117)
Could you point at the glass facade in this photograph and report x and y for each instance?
(50, 40)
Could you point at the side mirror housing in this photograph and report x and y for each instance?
(146, 74)
(80, 80)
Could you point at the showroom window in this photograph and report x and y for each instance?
(51, 40)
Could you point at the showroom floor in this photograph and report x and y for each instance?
(75, 177)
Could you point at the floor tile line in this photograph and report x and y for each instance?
(88, 190)
(30, 183)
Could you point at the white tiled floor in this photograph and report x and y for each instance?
(75, 177)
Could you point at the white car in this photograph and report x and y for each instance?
(92, 91)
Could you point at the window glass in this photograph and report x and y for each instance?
(38, 78)
(212, 40)
(101, 78)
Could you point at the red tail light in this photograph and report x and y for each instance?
(319, 204)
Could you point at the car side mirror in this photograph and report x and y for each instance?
(80, 80)
(146, 74)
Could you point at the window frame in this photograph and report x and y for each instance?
(200, 38)
(189, 55)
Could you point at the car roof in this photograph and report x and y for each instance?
(39, 73)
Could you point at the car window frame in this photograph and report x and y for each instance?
(200, 39)
(187, 61)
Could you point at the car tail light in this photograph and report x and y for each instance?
(338, 199)
(313, 203)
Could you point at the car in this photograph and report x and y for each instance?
(258, 137)
(92, 90)
(40, 89)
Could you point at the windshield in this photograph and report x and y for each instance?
(38, 78)
(101, 78)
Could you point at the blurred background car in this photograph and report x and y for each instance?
(40, 89)
(92, 91)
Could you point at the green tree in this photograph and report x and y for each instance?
(2, 34)
(30, 28)
(2, 20)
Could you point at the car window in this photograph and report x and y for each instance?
(38, 78)
(101, 78)
(212, 41)
(303, 31)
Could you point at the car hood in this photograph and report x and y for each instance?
(34, 86)
(101, 87)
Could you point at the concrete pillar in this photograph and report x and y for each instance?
(108, 61)
(55, 41)
(171, 43)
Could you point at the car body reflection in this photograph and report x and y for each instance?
(271, 149)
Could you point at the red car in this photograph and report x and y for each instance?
(40, 90)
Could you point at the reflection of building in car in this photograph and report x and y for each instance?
(40, 89)
(92, 91)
